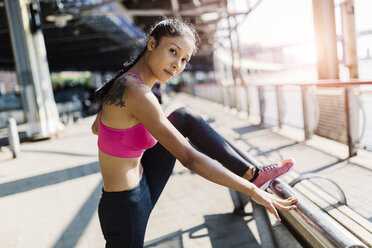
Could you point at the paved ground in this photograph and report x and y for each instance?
(49, 195)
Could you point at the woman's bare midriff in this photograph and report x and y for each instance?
(119, 174)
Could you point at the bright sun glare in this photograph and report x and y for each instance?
(303, 53)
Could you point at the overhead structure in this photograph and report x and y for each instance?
(57, 35)
(99, 35)
(75, 41)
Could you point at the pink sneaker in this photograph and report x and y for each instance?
(272, 171)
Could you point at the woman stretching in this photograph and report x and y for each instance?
(138, 144)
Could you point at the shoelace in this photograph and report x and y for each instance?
(269, 167)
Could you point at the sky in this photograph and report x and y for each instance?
(278, 22)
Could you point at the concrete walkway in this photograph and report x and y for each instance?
(49, 195)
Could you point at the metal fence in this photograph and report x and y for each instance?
(336, 110)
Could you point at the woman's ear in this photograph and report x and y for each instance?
(151, 43)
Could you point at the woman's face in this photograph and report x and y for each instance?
(170, 56)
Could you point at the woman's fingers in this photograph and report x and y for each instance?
(273, 211)
(282, 205)
(272, 203)
(289, 201)
(284, 208)
(286, 204)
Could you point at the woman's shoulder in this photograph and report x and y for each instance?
(129, 79)
(132, 84)
(122, 89)
(133, 91)
(128, 82)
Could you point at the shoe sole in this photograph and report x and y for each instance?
(265, 185)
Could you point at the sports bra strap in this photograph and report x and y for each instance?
(137, 75)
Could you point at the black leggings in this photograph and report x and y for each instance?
(124, 215)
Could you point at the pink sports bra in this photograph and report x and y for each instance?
(124, 143)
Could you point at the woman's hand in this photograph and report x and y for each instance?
(271, 202)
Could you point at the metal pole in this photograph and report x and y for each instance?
(279, 101)
(13, 137)
(261, 98)
(305, 112)
(348, 21)
(239, 52)
(350, 143)
(247, 90)
(239, 65)
(231, 49)
(233, 69)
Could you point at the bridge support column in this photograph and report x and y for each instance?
(32, 68)
(326, 39)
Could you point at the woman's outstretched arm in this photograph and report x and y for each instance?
(144, 106)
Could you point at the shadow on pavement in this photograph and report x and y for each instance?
(267, 153)
(229, 230)
(35, 182)
(60, 153)
(223, 230)
(249, 129)
(77, 226)
(327, 166)
(173, 240)
(260, 152)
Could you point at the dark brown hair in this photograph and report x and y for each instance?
(169, 27)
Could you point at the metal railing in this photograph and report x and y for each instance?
(311, 226)
(328, 108)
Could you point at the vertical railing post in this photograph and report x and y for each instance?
(229, 96)
(261, 98)
(305, 114)
(226, 96)
(235, 97)
(248, 99)
(232, 96)
(220, 94)
(350, 143)
(279, 102)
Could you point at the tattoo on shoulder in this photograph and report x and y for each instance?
(116, 95)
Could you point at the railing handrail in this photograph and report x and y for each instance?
(336, 83)
(329, 233)
(312, 218)
(320, 83)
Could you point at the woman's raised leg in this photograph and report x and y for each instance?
(158, 163)
(209, 142)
